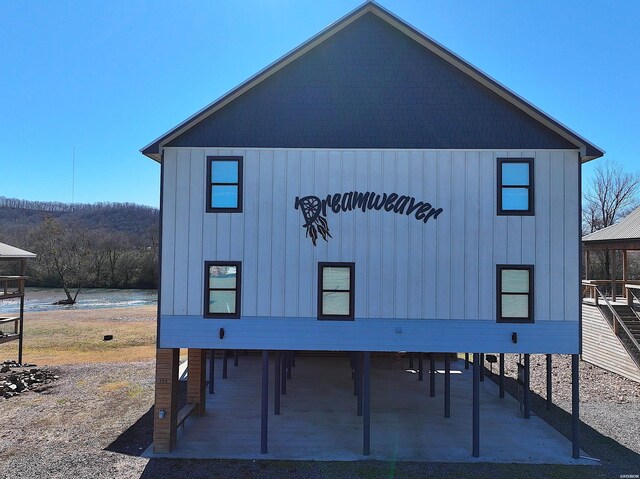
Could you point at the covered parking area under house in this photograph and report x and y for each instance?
(354, 406)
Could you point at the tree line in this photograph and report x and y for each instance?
(102, 245)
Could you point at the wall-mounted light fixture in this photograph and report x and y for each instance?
(514, 337)
(221, 333)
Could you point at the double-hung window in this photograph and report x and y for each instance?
(515, 186)
(335, 291)
(515, 293)
(222, 289)
(224, 184)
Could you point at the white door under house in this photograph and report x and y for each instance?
(368, 192)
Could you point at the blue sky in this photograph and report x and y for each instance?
(109, 77)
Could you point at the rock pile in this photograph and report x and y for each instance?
(16, 378)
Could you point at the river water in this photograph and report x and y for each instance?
(41, 299)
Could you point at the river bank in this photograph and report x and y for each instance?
(42, 299)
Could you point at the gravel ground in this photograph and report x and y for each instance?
(609, 403)
(96, 420)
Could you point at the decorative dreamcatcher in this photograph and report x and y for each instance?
(314, 222)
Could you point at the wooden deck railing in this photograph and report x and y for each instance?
(11, 286)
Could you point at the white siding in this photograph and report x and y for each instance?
(405, 269)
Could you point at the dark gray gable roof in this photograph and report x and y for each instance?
(372, 81)
(627, 229)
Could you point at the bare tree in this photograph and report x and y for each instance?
(65, 253)
(610, 195)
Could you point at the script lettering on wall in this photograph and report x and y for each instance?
(314, 209)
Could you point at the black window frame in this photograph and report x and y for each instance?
(352, 282)
(237, 289)
(530, 188)
(210, 184)
(499, 269)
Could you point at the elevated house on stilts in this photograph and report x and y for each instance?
(368, 193)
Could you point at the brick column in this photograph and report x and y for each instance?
(164, 430)
(196, 379)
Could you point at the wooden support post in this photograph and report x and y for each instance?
(476, 405)
(366, 393)
(549, 383)
(21, 329)
(501, 378)
(614, 274)
(624, 271)
(587, 265)
(575, 406)
(481, 366)
(447, 386)
(165, 412)
(466, 360)
(235, 357)
(264, 410)
(196, 379)
(289, 363)
(432, 375)
(420, 361)
(527, 387)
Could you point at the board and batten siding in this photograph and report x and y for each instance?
(405, 269)
(601, 347)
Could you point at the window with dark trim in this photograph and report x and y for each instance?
(224, 184)
(515, 186)
(515, 293)
(335, 291)
(222, 289)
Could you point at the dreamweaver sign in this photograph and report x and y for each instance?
(314, 209)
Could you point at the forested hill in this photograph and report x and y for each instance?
(19, 217)
(111, 245)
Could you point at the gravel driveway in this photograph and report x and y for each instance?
(95, 421)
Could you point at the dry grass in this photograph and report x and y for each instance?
(76, 337)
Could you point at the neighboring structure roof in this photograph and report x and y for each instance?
(11, 252)
(343, 89)
(627, 229)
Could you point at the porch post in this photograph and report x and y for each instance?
(212, 363)
(466, 360)
(447, 386)
(420, 371)
(575, 406)
(476, 405)
(264, 411)
(225, 359)
(614, 274)
(196, 379)
(276, 385)
(432, 375)
(549, 384)
(366, 393)
(624, 275)
(527, 392)
(501, 379)
(165, 411)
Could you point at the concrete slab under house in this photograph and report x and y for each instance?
(368, 193)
